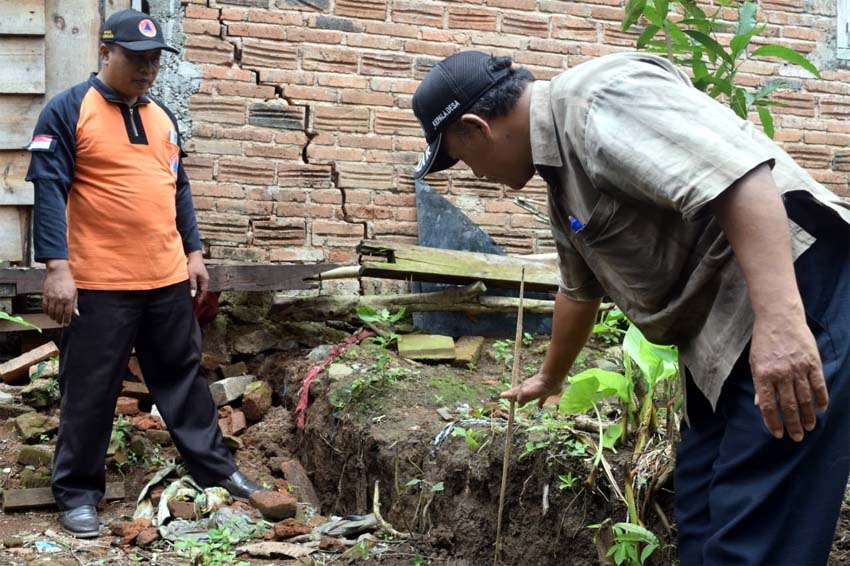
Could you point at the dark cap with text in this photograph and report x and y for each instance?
(449, 89)
(135, 31)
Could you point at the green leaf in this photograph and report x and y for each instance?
(746, 19)
(437, 487)
(651, 14)
(647, 552)
(739, 43)
(397, 316)
(663, 8)
(18, 320)
(607, 380)
(612, 435)
(739, 102)
(655, 362)
(579, 397)
(647, 35)
(677, 36)
(711, 45)
(367, 314)
(412, 483)
(786, 54)
(768, 89)
(634, 9)
(766, 121)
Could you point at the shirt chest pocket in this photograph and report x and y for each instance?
(169, 151)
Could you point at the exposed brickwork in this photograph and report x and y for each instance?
(304, 138)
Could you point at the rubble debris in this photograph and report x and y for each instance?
(297, 477)
(289, 528)
(231, 421)
(147, 537)
(181, 529)
(6, 398)
(339, 371)
(34, 478)
(32, 426)
(40, 497)
(161, 437)
(228, 390)
(257, 400)
(45, 369)
(279, 549)
(40, 394)
(127, 531)
(468, 350)
(144, 422)
(135, 369)
(136, 390)
(431, 347)
(239, 520)
(183, 509)
(14, 410)
(127, 406)
(445, 414)
(34, 456)
(16, 370)
(234, 370)
(253, 343)
(274, 505)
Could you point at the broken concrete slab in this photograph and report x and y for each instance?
(468, 350)
(234, 369)
(45, 369)
(257, 400)
(31, 426)
(34, 456)
(296, 476)
(274, 505)
(431, 347)
(228, 390)
(40, 394)
(16, 370)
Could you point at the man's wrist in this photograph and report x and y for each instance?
(58, 265)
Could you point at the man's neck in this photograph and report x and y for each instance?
(104, 78)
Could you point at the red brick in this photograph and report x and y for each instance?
(127, 406)
(201, 12)
(238, 254)
(289, 528)
(472, 18)
(269, 54)
(287, 77)
(365, 142)
(428, 48)
(307, 176)
(227, 73)
(344, 119)
(183, 509)
(840, 140)
(282, 18)
(343, 81)
(417, 13)
(574, 29)
(203, 27)
(297, 255)
(263, 31)
(273, 151)
(217, 110)
(369, 9)
(303, 35)
(380, 42)
(395, 30)
(310, 93)
(526, 5)
(206, 49)
(324, 153)
(147, 537)
(368, 98)
(228, 88)
(16, 370)
(405, 86)
(525, 25)
(566, 7)
(386, 65)
(249, 171)
(396, 122)
(606, 13)
(329, 59)
(307, 5)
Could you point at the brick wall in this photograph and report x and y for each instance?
(303, 137)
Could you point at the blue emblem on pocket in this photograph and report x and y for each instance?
(576, 224)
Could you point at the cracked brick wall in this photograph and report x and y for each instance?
(303, 138)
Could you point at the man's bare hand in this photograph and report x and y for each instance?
(539, 387)
(786, 366)
(199, 279)
(60, 292)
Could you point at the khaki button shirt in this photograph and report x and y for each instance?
(632, 155)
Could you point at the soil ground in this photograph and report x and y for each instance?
(379, 424)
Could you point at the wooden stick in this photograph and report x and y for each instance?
(509, 434)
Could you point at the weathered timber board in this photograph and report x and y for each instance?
(241, 277)
(22, 17)
(14, 188)
(404, 261)
(41, 497)
(18, 115)
(11, 245)
(22, 61)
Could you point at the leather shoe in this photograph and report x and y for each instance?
(80, 521)
(240, 487)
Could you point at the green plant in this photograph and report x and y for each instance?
(567, 481)
(503, 351)
(690, 38)
(43, 438)
(527, 339)
(218, 551)
(608, 327)
(628, 538)
(382, 321)
(425, 484)
(472, 437)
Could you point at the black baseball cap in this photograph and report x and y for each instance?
(135, 31)
(449, 89)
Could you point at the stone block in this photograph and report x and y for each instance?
(275, 506)
(467, 350)
(429, 347)
(230, 389)
(31, 426)
(16, 370)
(257, 400)
(45, 369)
(34, 456)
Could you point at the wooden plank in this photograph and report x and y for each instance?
(22, 61)
(72, 40)
(433, 265)
(15, 190)
(237, 277)
(22, 17)
(263, 277)
(41, 497)
(41, 320)
(18, 115)
(11, 245)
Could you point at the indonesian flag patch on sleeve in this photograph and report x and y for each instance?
(41, 142)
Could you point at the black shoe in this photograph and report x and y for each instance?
(240, 487)
(80, 521)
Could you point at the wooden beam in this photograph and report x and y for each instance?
(40, 320)
(41, 497)
(11, 244)
(15, 190)
(240, 277)
(18, 115)
(22, 61)
(22, 17)
(393, 260)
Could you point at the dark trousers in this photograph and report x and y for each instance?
(745, 498)
(95, 349)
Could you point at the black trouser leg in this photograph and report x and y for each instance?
(169, 350)
(95, 349)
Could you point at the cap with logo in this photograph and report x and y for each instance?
(449, 89)
(135, 31)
